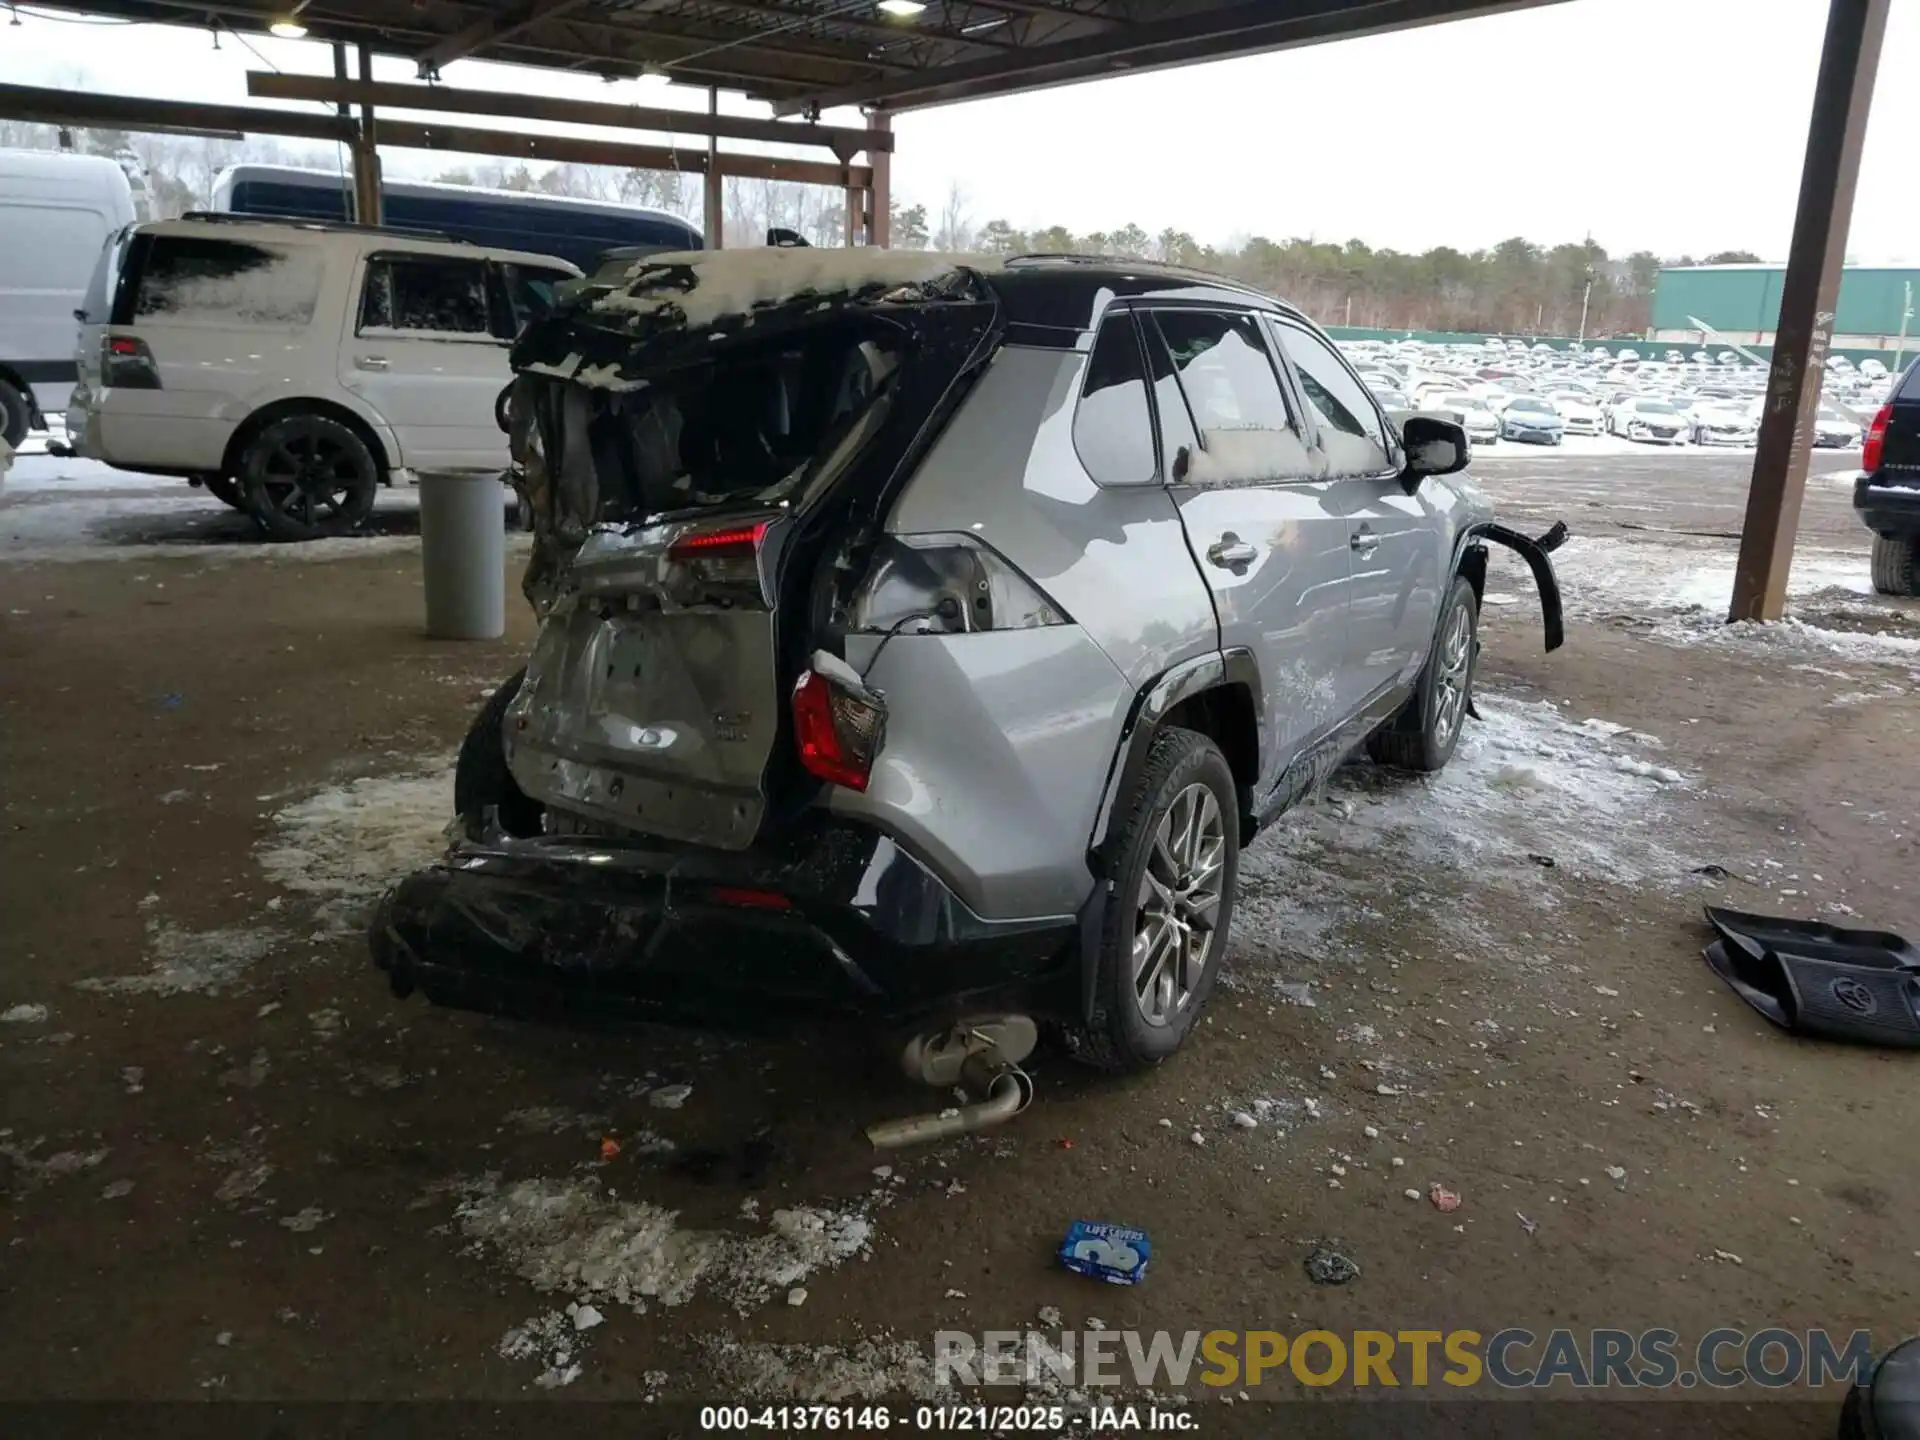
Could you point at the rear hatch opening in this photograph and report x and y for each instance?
(699, 494)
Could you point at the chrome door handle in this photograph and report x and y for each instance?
(370, 362)
(1230, 550)
(1364, 542)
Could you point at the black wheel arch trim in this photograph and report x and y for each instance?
(1536, 552)
(1151, 706)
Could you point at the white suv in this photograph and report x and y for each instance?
(294, 368)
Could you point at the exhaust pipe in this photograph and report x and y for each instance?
(1008, 1091)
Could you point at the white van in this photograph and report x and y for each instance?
(56, 211)
(294, 368)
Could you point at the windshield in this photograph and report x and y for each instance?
(1654, 407)
(1530, 405)
(1568, 397)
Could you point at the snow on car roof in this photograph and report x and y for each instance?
(732, 282)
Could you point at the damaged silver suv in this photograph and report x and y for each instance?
(923, 638)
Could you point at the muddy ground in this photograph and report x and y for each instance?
(232, 1166)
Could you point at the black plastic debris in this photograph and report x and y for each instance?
(1811, 978)
(1327, 1266)
(1545, 862)
(1712, 872)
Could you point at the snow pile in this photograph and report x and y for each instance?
(822, 1374)
(24, 1014)
(552, 1341)
(733, 282)
(1525, 782)
(191, 962)
(346, 844)
(573, 1236)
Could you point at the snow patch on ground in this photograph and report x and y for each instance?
(1527, 781)
(1600, 575)
(574, 1236)
(347, 843)
(24, 1015)
(821, 1374)
(191, 962)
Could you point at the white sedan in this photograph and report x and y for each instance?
(1644, 418)
(1583, 417)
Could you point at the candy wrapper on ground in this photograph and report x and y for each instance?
(1116, 1254)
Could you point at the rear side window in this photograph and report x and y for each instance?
(1113, 428)
(214, 281)
(1910, 386)
(1247, 434)
(530, 292)
(425, 294)
(1349, 426)
(106, 274)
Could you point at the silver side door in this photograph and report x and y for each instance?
(1260, 517)
(1400, 543)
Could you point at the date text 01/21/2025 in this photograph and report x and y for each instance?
(929, 1419)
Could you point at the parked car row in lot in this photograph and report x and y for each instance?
(1519, 397)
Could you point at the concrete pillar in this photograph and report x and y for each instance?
(713, 182)
(1842, 95)
(463, 556)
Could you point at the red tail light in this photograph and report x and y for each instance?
(126, 362)
(748, 898)
(732, 543)
(1876, 439)
(838, 733)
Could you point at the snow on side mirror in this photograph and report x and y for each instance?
(1434, 447)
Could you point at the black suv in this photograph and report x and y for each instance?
(1887, 494)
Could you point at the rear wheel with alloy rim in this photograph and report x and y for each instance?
(1171, 864)
(308, 476)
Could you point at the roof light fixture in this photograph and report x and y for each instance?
(288, 27)
(901, 9)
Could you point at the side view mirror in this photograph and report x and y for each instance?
(1434, 447)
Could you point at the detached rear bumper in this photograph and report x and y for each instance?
(840, 921)
(1888, 509)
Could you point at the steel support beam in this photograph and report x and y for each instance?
(713, 185)
(136, 112)
(880, 193)
(845, 141)
(490, 30)
(368, 204)
(576, 150)
(1842, 96)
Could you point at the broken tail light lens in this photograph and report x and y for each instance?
(1876, 439)
(726, 558)
(126, 362)
(837, 732)
(947, 585)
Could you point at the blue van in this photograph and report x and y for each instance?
(575, 230)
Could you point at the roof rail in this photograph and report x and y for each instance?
(1123, 262)
(307, 222)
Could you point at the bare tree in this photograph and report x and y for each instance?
(955, 229)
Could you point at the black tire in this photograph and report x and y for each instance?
(1120, 1036)
(1422, 737)
(481, 779)
(226, 490)
(16, 415)
(1896, 564)
(306, 476)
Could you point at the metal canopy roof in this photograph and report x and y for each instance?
(813, 54)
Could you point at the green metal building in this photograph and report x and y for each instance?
(1697, 304)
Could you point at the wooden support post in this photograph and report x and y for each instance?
(367, 203)
(880, 194)
(1842, 94)
(713, 183)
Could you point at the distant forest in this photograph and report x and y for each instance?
(1518, 287)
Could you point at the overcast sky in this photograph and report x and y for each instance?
(1676, 126)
